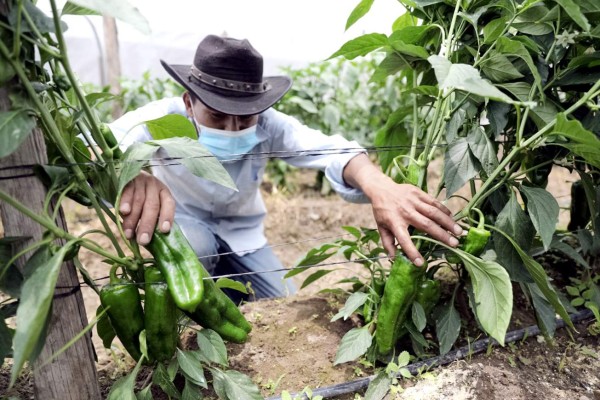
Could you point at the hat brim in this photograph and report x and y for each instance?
(231, 105)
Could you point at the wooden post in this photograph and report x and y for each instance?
(113, 61)
(72, 375)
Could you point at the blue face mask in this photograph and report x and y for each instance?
(227, 144)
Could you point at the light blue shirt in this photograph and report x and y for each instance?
(237, 217)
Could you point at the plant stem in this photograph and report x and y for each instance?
(450, 37)
(56, 135)
(56, 231)
(96, 134)
(17, 37)
(518, 148)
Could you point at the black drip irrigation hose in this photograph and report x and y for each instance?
(458, 354)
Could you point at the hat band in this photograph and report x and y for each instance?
(227, 84)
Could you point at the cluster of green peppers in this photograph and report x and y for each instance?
(176, 282)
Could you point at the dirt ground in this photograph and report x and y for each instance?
(293, 342)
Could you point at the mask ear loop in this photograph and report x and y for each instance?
(194, 121)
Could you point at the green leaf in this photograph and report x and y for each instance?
(483, 149)
(361, 46)
(493, 30)
(424, 3)
(543, 113)
(459, 164)
(354, 231)
(34, 308)
(313, 257)
(118, 9)
(172, 368)
(196, 158)
(464, 77)
(305, 104)
(393, 134)
(447, 327)
(498, 68)
(171, 126)
(514, 48)
(359, 11)
(191, 391)
(7, 72)
(581, 141)
(493, 294)
(531, 21)
(409, 49)
(391, 64)
(226, 283)
(95, 99)
(543, 210)
(315, 276)
(212, 347)
(15, 127)
(569, 252)
(575, 13)
(354, 301)
(74, 9)
(378, 387)
(541, 279)
(123, 388)
(6, 337)
(233, 385)
(354, 344)
(12, 280)
(515, 223)
(161, 378)
(104, 328)
(43, 23)
(137, 156)
(190, 364)
(411, 34)
(418, 316)
(543, 310)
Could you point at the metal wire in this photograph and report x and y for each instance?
(238, 157)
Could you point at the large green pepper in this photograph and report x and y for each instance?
(121, 300)
(161, 315)
(398, 295)
(180, 266)
(219, 313)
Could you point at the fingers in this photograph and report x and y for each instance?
(405, 206)
(131, 206)
(145, 202)
(167, 210)
(149, 213)
(434, 221)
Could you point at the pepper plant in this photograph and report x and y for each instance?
(502, 90)
(87, 165)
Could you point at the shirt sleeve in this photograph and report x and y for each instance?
(305, 147)
(129, 128)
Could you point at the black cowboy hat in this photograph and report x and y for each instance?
(226, 75)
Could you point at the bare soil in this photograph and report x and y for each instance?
(293, 342)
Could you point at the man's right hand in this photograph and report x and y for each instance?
(146, 202)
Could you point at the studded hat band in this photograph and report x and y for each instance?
(227, 84)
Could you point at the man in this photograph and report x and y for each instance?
(229, 101)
